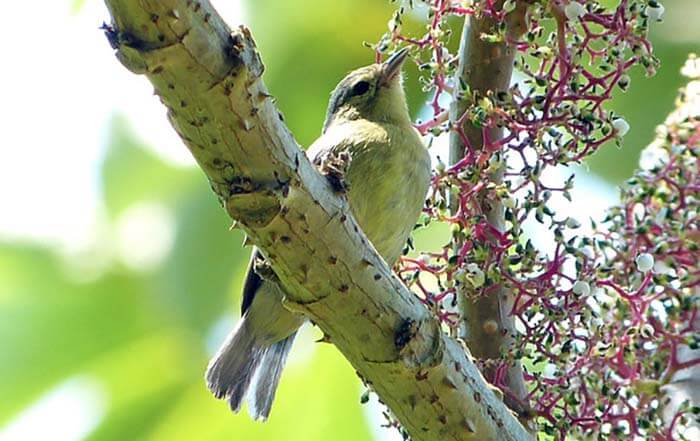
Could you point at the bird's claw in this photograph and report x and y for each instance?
(334, 168)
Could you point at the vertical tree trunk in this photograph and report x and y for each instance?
(487, 68)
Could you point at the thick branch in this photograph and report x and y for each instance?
(487, 67)
(209, 79)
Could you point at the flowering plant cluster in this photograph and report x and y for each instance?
(606, 316)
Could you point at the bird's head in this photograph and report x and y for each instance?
(373, 92)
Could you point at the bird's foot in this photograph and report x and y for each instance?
(334, 167)
(263, 269)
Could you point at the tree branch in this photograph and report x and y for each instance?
(486, 68)
(209, 79)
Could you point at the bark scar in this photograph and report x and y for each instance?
(404, 333)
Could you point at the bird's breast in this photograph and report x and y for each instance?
(388, 182)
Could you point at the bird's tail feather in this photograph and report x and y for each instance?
(231, 370)
(244, 367)
(268, 377)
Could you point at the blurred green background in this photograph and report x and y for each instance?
(118, 275)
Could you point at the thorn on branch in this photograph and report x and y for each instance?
(468, 426)
(262, 96)
(247, 125)
(412, 401)
(324, 339)
(447, 381)
(111, 34)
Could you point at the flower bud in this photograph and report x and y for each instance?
(624, 82)
(655, 11)
(646, 331)
(581, 288)
(645, 262)
(508, 6)
(574, 10)
(476, 276)
(620, 126)
(572, 223)
(509, 202)
(440, 167)
(477, 279)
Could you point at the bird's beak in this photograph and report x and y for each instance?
(392, 66)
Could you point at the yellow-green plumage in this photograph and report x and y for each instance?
(387, 177)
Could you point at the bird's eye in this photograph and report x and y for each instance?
(360, 88)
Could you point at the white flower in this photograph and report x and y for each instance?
(581, 288)
(647, 331)
(509, 6)
(655, 12)
(588, 252)
(661, 216)
(691, 68)
(677, 149)
(645, 262)
(476, 277)
(662, 267)
(574, 10)
(655, 155)
(620, 126)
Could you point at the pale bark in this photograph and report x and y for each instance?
(210, 81)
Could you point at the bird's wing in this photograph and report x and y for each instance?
(252, 282)
(324, 145)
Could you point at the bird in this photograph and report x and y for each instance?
(384, 172)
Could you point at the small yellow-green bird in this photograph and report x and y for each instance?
(387, 177)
